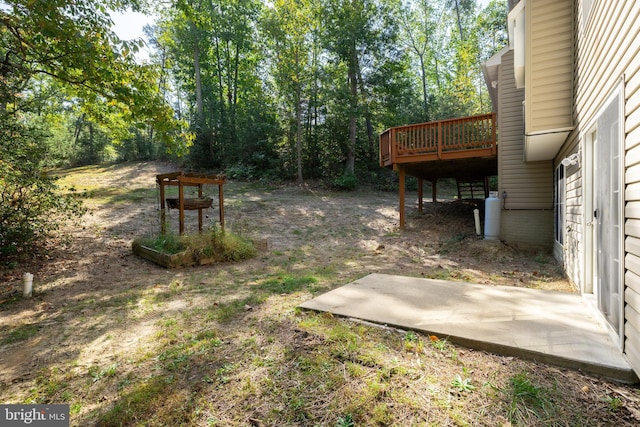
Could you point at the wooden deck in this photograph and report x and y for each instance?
(462, 148)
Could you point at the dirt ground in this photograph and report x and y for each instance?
(72, 323)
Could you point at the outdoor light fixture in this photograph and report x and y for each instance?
(573, 159)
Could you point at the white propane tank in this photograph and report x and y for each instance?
(492, 217)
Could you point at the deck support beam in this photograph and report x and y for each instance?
(434, 190)
(486, 187)
(420, 189)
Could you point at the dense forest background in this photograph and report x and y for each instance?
(260, 89)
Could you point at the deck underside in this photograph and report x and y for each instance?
(461, 169)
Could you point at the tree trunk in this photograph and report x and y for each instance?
(353, 113)
(221, 122)
(234, 97)
(92, 146)
(78, 130)
(299, 124)
(425, 101)
(367, 113)
(438, 74)
(196, 68)
(457, 2)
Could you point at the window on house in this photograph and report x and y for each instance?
(559, 202)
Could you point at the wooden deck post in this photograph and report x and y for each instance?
(221, 202)
(440, 140)
(200, 209)
(401, 176)
(420, 189)
(486, 187)
(434, 191)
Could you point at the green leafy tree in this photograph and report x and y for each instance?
(289, 24)
(492, 28)
(361, 35)
(420, 21)
(70, 43)
(212, 48)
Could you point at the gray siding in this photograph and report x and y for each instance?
(528, 228)
(529, 186)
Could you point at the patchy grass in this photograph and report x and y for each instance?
(287, 284)
(528, 401)
(19, 333)
(127, 343)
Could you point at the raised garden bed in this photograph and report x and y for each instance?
(186, 258)
(181, 259)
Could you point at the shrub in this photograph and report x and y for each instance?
(346, 182)
(32, 209)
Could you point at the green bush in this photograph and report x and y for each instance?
(346, 182)
(32, 209)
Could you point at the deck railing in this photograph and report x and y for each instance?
(441, 140)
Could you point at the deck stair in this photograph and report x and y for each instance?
(472, 188)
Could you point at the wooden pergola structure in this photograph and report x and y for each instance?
(181, 180)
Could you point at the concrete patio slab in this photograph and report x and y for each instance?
(546, 326)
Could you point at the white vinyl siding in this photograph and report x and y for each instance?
(573, 254)
(608, 49)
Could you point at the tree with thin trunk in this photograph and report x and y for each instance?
(289, 24)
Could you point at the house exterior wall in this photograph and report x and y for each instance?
(549, 76)
(527, 214)
(607, 52)
(571, 252)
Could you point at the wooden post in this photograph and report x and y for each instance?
(200, 209)
(392, 146)
(434, 191)
(163, 216)
(221, 202)
(486, 187)
(420, 188)
(440, 140)
(181, 206)
(401, 190)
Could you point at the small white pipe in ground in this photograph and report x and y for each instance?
(27, 282)
(476, 216)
